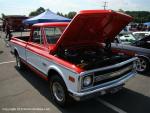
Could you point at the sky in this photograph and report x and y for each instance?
(24, 7)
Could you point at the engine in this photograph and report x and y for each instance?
(91, 57)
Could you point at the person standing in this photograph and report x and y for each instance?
(3, 26)
(8, 32)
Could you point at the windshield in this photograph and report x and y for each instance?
(53, 34)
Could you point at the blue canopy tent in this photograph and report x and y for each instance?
(147, 23)
(46, 16)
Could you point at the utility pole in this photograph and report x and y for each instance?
(105, 5)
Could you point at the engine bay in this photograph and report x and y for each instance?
(91, 57)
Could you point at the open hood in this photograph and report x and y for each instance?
(93, 26)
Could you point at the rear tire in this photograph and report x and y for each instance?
(19, 63)
(59, 92)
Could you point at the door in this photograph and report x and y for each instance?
(35, 48)
(52, 34)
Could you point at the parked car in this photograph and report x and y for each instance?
(73, 58)
(126, 38)
(139, 45)
(141, 34)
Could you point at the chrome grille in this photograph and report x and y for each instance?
(112, 75)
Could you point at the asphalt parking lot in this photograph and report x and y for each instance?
(23, 91)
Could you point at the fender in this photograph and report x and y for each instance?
(139, 55)
(53, 67)
(15, 49)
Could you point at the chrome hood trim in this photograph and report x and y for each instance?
(109, 67)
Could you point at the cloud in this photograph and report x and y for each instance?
(60, 5)
(123, 4)
(65, 6)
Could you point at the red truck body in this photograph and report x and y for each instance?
(77, 53)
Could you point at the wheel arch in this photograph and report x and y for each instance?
(145, 57)
(54, 70)
(16, 52)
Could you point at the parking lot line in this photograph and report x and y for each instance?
(7, 62)
(118, 110)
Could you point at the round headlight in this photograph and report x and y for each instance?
(87, 81)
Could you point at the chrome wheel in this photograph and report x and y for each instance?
(58, 91)
(141, 65)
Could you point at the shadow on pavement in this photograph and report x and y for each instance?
(147, 74)
(1, 52)
(127, 100)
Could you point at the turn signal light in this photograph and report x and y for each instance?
(71, 79)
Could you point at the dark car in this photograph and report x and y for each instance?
(140, 46)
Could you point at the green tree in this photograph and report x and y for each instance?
(121, 10)
(3, 16)
(37, 12)
(60, 14)
(71, 14)
(139, 16)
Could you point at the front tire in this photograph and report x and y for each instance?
(59, 91)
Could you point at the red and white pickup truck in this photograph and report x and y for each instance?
(76, 58)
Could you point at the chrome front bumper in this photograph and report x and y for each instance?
(99, 89)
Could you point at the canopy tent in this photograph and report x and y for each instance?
(46, 16)
(147, 23)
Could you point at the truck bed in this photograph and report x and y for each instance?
(23, 38)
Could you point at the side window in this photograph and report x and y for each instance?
(37, 36)
(53, 34)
